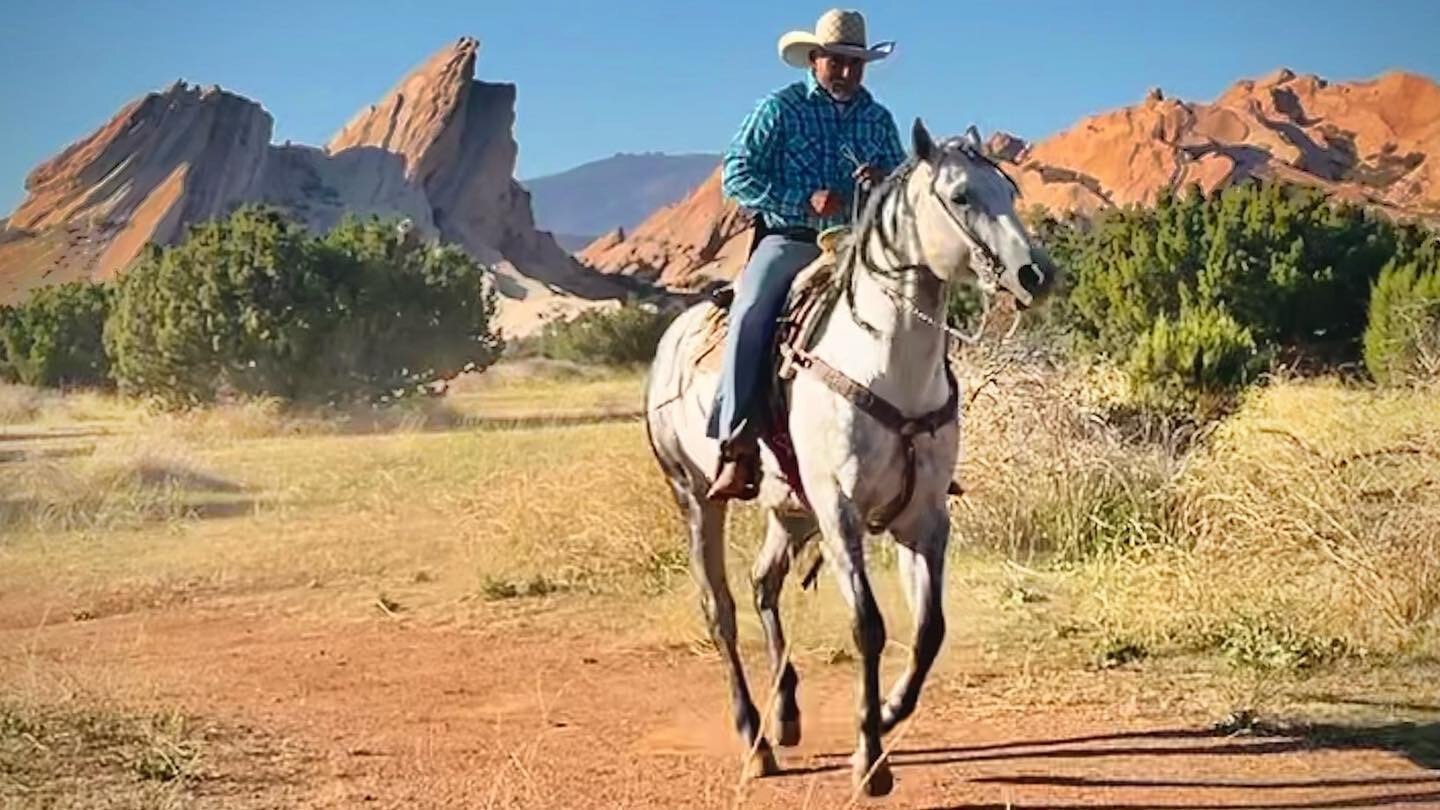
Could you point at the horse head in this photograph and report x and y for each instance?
(966, 222)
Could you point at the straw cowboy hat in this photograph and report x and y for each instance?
(838, 31)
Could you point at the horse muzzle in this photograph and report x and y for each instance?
(1025, 285)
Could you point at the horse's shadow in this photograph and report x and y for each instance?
(1418, 742)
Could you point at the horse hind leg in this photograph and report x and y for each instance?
(782, 534)
(706, 521)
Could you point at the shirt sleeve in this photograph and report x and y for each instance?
(892, 153)
(750, 174)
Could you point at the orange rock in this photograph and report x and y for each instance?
(703, 237)
(437, 150)
(1376, 142)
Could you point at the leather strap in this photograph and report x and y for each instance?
(880, 409)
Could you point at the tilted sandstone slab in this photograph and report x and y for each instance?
(438, 150)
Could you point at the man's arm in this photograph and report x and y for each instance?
(749, 175)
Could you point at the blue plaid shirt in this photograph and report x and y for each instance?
(792, 145)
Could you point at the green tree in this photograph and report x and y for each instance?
(54, 339)
(254, 305)
(1402, 341)
(1204, 351)
(1285, 267)
(621, 336)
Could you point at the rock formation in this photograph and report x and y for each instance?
(437, 149)
(703, 237)
(1373, 142)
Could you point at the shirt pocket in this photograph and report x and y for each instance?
(802, 160)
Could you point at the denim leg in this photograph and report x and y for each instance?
(759, 301)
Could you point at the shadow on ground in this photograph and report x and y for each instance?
(1417, 742)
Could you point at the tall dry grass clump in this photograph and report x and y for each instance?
(124, 483)
(1324, 499)
(1304, 524)
(20, 404)
(28, 406)
(1050, 465)
(1306, 527)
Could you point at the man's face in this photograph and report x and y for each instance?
(839, 75)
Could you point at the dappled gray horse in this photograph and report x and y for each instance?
(947, 215)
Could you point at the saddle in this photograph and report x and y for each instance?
(809, 293)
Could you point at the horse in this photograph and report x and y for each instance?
(945, 216)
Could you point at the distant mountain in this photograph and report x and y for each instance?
(615, 192)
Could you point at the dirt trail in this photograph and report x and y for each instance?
(395, 714)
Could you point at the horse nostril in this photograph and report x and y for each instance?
(1032, 279)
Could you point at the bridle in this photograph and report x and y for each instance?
(984, 263)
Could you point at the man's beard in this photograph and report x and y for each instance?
(841, 94)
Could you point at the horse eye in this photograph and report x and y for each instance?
(960, 198)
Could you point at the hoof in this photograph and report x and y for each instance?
(789, 733)
(761, 763)
(879, 782)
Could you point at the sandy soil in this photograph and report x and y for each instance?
(394, 713)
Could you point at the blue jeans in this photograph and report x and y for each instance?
(764, 285)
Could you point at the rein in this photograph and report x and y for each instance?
(858, 257)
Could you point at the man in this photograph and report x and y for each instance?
(794, 163)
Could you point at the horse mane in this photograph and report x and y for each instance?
(872, 223)
(873, 226)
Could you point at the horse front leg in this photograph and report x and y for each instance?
(920, 546)
(844, 540)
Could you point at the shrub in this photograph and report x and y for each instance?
(1402, 340)
(1204, 351)
(1269, 643)
(54, 339)
(1283, 265)
(612, 337)
(253, 305)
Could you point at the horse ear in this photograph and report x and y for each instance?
(922, 143)
(973, 136)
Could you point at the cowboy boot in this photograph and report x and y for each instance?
(739, 470)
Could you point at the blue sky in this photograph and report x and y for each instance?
(666, 75)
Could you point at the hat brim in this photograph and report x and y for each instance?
(795, 48)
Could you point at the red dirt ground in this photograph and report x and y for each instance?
(390, 713)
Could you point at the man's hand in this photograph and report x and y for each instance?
(870, 174)
(826, 203)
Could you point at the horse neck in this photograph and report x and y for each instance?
(906, 355)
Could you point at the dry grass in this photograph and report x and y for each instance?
(1304, 526)
(31, 407)
(123, 484)
(1051, 465)
(1311, 517)
(64, 745)
(1298, 533)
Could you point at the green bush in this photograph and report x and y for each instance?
(253, 305)
(1202, 352)
(1181, 292)
(612, 337)
(54, 339)
(1402, 341)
